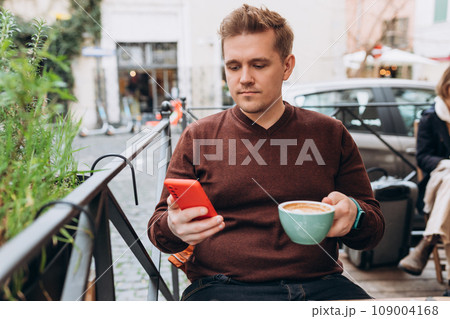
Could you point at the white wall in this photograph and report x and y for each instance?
(139, 21)
(318, 46)
(30, 9)
(431, 39)
(84, 73)
(319, 43)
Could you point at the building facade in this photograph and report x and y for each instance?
(432, 36)
(377, 26)
(151, 50)
(388, 22)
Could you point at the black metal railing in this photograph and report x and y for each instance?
(94, 203)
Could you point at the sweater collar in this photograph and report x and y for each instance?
(288, 111)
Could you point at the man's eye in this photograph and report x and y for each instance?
(233, 67)
(259, 66)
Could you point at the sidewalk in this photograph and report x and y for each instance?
(130, 278)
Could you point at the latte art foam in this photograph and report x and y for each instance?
(305, 208)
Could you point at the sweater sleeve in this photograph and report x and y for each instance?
(426, 145)
(180, 166)
(352, 180)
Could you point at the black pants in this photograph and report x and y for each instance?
(221, 287)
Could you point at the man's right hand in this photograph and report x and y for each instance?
(183, 225)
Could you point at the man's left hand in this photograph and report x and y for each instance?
(344, 214)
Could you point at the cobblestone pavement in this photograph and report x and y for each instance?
(130, 278)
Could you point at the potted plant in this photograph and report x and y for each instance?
(36, 156)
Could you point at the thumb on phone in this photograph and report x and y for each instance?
(172, 203)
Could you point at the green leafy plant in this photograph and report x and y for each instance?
(36, 156)
(83, 21)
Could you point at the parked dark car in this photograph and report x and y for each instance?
(394, 123)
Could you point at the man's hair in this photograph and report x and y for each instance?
(443, 86)
(249, 19)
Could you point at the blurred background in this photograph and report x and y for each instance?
(140, 52)
(128, 56)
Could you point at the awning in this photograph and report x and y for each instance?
(388, 56)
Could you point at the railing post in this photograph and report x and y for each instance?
(166, 133)
(184, 118)
(175, 283)
(165, 151)
(104, 275)
(165, 154)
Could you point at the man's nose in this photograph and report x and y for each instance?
(246, 76)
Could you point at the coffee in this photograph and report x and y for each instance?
(305, 208)
(306, 222)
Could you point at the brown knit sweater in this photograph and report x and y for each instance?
(304, 156)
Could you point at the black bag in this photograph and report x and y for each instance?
(397, 200)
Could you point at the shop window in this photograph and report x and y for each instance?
(147, 74)
(395, 33)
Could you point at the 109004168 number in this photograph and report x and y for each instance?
(416, 310)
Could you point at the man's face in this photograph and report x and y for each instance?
(255, 72)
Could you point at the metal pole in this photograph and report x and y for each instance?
(104, 275)
(175, 283)
(184, 118)
(165, 152)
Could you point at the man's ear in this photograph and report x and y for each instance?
(289, 64)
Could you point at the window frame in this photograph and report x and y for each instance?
(385, 115)
(401, 129)
(440, 11)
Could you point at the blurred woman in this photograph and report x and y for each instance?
(433, 152)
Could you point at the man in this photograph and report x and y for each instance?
(250, 158)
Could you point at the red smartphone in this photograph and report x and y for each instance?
(189, 193)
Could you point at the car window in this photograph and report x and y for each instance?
(362, 97)
(410, 113)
